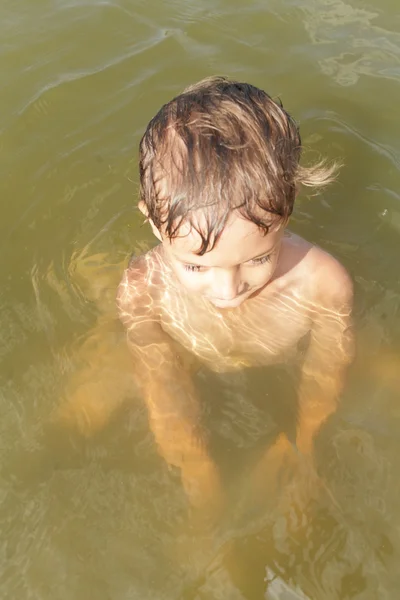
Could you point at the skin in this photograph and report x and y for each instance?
(248, 302)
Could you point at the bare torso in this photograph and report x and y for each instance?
(265, 329)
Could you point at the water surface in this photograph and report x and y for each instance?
(105, 519)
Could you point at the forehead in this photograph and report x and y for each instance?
(240, 241)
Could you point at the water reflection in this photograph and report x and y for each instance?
(101, 515)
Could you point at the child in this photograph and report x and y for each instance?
(228, 286)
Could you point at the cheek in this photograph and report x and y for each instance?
(259, 275)
(191, 281)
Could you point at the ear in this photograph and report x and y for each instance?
(143, 209)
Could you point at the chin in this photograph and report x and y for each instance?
(236, 302)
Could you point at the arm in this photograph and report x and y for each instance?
(167, 388)
(100, 384)
(322, 379)
(328, 357)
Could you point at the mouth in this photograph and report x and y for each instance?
(228, 303)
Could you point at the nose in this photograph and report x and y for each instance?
(226, 284)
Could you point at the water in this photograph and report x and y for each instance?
(102, 517)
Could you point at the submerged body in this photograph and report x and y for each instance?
(228, 286)
(294, 307)
(271, 327)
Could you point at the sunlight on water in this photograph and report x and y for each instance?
(89, 509)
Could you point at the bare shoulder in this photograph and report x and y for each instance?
(137, 291)
(332, 284)
(325, 278)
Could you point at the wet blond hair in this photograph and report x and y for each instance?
(223, 145)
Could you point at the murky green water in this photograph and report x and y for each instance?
(103, 518)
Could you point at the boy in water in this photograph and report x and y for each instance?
(228, 284)
(219, 174)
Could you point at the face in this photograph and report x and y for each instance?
(242, 262)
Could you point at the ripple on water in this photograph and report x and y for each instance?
(46, 50)
(349, 43)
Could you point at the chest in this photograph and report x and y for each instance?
(264, 331)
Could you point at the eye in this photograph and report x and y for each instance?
(261, 260)
(192, 268)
